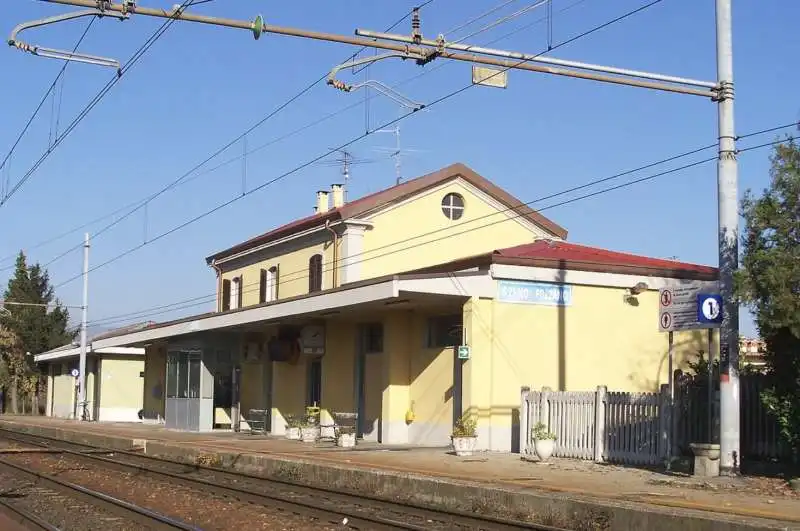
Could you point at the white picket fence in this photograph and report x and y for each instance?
(629, 428)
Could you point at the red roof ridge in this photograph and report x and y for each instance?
(548, 249)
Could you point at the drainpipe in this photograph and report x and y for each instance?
(335, 253)
(218, 271)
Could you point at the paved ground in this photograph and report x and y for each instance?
(746, 496)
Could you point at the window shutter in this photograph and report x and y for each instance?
(315, 273)
(240, 292)
(226, 295)
(276, 280)
(262, 287)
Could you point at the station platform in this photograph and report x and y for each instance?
(615, 497)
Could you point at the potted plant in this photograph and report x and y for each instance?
(309, 429)
(543, 441)
(464, 436)
(292, 427)
(346, 436)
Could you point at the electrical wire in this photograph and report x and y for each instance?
(46, 94)
(349, 142)
(97, 98)
(503, 20)
(136, 206)
(478, 17)
(203, 299)
(276, 140)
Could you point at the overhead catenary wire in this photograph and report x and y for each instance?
(273, 141)
(357, 138)
(50, 89)
(96, 99)
(204, 299)
(137, 205)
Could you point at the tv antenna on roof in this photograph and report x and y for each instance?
(346, 159)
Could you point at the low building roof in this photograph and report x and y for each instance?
(394, 194)
(555, 254)
(74, 349)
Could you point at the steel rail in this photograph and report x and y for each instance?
(119, 507)
(451, 518)
(27, 519)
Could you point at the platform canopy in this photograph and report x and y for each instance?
(366, 295)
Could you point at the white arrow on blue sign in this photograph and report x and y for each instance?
(709, 309)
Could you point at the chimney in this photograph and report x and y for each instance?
(322, 201)
(337, 190)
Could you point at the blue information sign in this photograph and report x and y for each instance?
(524, 292)
(709, 308)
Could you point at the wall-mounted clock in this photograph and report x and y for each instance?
(312, 339)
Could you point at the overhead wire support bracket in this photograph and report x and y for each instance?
(377, 85)
(54, 53)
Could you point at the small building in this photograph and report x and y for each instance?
(362, 307)
(114, 381)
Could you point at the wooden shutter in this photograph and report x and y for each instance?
(240, 292)
(226, 295)
(315, 273)
(277, 275)
(262, 287)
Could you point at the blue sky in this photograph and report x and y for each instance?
(200, 86)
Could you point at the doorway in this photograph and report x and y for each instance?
(314, 382)
(369, 380)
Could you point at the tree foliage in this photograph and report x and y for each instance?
(36, 325)
(769, 283)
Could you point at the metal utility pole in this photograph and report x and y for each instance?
(84, 319)
(728, 235)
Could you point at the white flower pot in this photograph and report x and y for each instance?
(544, 448)
(464, 446)
(309, 434)
(346, 440)
(293, 434)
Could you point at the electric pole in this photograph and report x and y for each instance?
(728, 236)
(84, 319)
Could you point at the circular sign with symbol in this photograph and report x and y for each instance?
(666, 320)
(710, 308)
(666, 297)
(75, 373)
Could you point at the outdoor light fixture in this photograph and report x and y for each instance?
(638, 288)
(630, 296)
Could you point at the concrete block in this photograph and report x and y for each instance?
(706, 459)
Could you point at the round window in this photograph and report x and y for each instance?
(453, 206)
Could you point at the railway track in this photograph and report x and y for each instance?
(21, 483)
(354, 511)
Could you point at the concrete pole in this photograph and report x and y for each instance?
(728, 235)
(84, 318)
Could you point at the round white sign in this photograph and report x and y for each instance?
(710, 308)
(75, 373)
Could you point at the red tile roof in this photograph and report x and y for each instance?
(572, 254)
(395, 194)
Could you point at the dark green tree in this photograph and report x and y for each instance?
(769, 284)
(38, 324)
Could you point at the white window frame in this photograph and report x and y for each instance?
(233, 303)
(272, 286)
(449, 209)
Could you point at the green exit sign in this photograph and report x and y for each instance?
(463, 352)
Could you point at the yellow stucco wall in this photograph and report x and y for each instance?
(121, 385)
(417, 234)
(63, 394)
(293, 272)
(598, 340)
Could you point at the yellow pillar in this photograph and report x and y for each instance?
(397, 338)
(477, 371)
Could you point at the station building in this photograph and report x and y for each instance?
(361, 307)
(114, 381)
